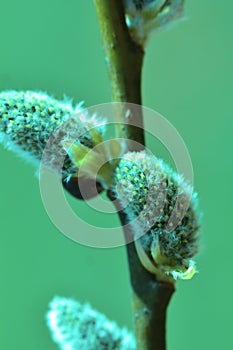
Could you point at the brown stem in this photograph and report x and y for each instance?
(150, 301)
(124, 60)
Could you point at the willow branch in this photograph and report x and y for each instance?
(124, 60)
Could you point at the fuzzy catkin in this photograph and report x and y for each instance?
(29, 119)
(76, 326)
(145, 17)
(161, 206)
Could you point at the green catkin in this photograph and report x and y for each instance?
(145, 17)
(76, 326)
(159, 203)
(29, 119)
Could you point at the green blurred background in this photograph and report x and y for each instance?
(55, 46)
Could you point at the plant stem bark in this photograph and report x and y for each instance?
(124, 60)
